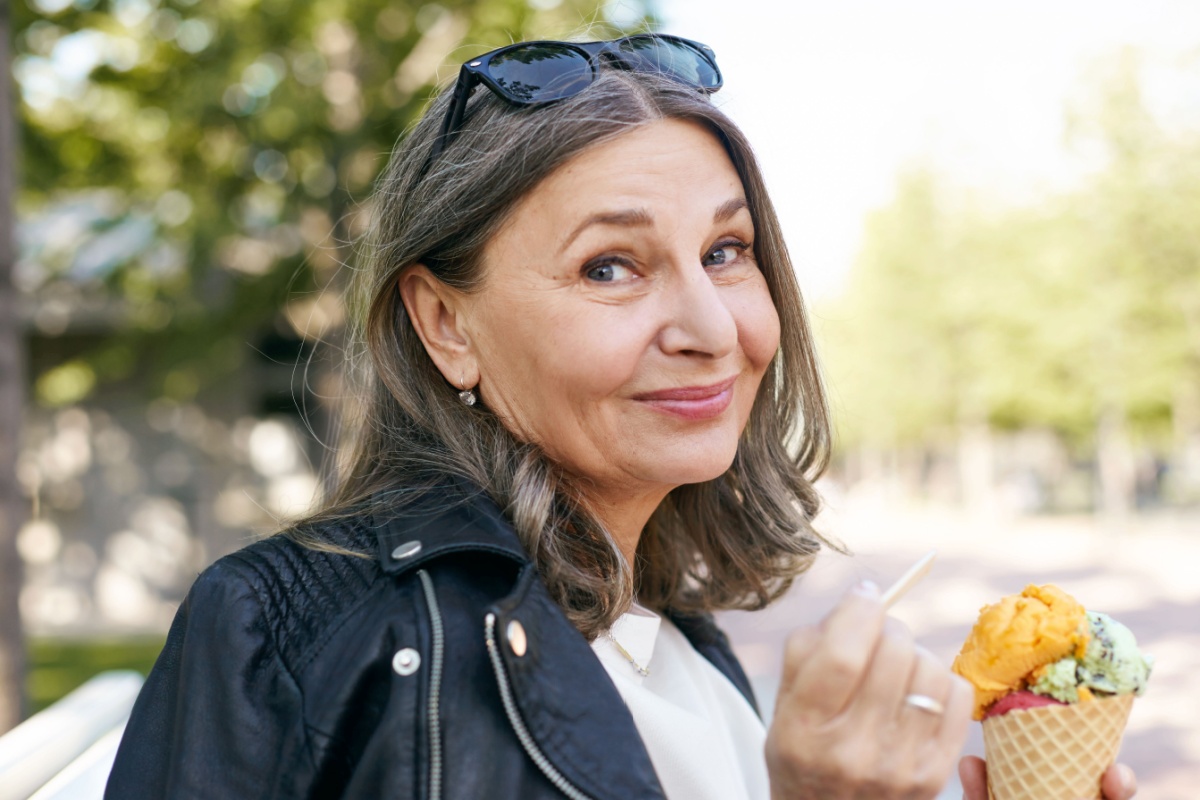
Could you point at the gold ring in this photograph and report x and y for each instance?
(925, 703)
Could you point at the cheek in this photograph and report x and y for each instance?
(559, 356)
(592, 355)
(758, 328)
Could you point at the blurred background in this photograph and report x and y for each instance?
(993, 207)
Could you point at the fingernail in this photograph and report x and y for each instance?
(867, 588)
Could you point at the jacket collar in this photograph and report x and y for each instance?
(457, 516)
(589, 737)
(452, 516)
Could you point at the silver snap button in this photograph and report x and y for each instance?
(515, 633)
(406, 550)
(406, 661)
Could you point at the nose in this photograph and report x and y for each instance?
(698, 321)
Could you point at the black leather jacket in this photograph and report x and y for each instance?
(295, 673)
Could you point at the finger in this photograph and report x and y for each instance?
(797, 650)
(973, 774)
(855, 596)
(930, 678)
(959, 703)
(949, 733)
(915, 748)
(1119, 783)
(827, 679)
(934, 740)
(888, 676)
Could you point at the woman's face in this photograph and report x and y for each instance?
(623, 323)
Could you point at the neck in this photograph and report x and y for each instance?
(625, 516)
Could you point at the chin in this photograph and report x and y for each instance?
(698, 468)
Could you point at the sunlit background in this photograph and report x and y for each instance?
(994, 209)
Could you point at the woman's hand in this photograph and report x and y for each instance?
(1118, 783)
(842, 726)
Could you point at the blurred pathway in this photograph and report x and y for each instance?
(1146, 572)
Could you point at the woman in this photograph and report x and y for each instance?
(590, 415)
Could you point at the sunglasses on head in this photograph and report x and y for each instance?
(534, 73)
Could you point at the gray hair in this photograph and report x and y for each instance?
(736, 541)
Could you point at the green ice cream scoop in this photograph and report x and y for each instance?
(1113, 664)
(1059, 680)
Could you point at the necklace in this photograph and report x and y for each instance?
(643, 671)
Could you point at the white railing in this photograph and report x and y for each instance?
(65, 752)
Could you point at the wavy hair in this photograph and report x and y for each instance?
(736, 541)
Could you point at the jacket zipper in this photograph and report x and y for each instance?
(514, 717)
(433, 712)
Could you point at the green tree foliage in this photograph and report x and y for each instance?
(1081, 308)
(216, 156)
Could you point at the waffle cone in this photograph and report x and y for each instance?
(1054, 752)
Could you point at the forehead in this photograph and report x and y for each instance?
(670, 167)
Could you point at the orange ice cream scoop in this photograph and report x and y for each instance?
(1016, 636)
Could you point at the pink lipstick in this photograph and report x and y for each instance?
(692, 402)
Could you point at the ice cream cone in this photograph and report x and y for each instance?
(1054, 752)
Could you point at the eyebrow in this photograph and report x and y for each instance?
(630, 217)
(730, 208)
(640, 217)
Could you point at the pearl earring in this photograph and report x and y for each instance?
(466, 395)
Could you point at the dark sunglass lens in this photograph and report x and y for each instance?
(539, 73)
(671, 57)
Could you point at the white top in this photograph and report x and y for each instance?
(704, 739)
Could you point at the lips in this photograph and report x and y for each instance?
(692, 402)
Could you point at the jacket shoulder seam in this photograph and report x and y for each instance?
(330, 627)
(264, 603)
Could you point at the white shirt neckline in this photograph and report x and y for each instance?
(704, 739)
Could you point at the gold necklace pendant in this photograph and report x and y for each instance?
(643, 671)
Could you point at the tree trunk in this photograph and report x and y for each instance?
(12, 392)
(976, 468)
(1115, 467)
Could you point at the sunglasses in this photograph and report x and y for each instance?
(535, 73)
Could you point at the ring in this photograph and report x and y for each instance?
(925, 703)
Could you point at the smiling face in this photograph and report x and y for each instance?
(623, 323)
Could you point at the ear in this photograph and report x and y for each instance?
(437, 314)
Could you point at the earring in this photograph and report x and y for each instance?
(466, 395)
